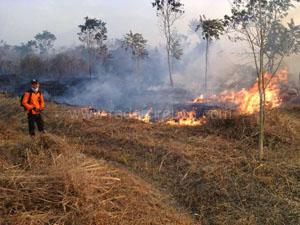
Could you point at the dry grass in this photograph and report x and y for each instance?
(212, 171)
(48, 181)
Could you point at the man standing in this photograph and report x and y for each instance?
(33, 101)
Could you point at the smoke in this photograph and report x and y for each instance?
(228, 67)
(119, 84)
(292, 63)
(123, 87)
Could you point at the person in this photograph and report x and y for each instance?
(33, 102)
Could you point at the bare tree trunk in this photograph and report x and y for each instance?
(137, 71)
(168, 38)
(299, 85)
(90, 71)
(261, 84)
(89, 48)
(206, 66)
(170, 69)
(261, 116)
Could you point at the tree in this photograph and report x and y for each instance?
(8, 59)
(26, 49)
(44, 41)
(32, 65)
(60, 65)
(136, 44)
(270, 40)
(93, 33)
(169, 11)
(211, 29)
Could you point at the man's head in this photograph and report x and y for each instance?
(35, 85)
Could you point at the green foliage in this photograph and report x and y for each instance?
(169, 11)
(93, 31)
(176, 49)
(246, 11)
(44, 41)
(175, 5)
(136, 43)
(210, 28)
(283, 39)
(261, 24)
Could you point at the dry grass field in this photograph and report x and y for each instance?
(109, 170)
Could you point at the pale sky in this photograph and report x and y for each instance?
(20, 20)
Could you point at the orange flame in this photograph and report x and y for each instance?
(251, 99)
(185, 118)
(136, 115)
(248, 99)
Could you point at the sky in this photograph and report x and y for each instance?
(21, 20)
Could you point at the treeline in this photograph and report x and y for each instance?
(97, 56)
(39, 58)
(27, 63)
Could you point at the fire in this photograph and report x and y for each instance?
(147, 118)
(136, 115)
(185, 118)
(248, 100)
(101, 114)
(272, 94)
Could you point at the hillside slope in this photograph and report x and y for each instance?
(212, 171)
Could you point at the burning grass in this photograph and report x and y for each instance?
(245, 101)
(209, 170)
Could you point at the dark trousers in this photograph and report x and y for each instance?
(35, 119)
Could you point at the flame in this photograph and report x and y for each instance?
(248, 100)
(251, 99)
(136, 115)
(101, 114)
(147, 118)
(185, 118)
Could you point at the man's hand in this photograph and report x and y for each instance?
(36, 109)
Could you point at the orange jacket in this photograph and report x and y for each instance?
(37, 101)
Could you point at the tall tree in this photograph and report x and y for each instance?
(44, 41)
(93, 33)
(169, 11)
(211, 29)
(261, 24)
(136, 44)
